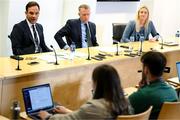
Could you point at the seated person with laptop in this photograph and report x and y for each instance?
(153, 91)
(108, 99)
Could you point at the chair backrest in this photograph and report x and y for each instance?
(170, 111)
(118, 29)
(141, 116)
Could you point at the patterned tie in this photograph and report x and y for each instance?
(88, 37)
(37, 47)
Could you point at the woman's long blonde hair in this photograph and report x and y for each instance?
(137, 19)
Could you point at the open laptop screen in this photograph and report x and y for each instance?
(37, 98)
(178, 69)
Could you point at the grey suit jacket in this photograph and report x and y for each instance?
(93, 110)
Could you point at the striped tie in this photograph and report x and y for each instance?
(37, 47)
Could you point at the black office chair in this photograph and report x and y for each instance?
(118, 29)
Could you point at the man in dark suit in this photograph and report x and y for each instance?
(78, 31)
(27, 36)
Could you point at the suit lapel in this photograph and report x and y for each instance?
(79, 32)
(27, 29)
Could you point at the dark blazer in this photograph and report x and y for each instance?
(72, 32)
(22, 39)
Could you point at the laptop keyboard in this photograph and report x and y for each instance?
(35, 117)
(51, 111)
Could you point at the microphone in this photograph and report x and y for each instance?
(162, 42)
(167, 69)
(56, 63)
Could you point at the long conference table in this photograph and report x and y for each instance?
(70, 81)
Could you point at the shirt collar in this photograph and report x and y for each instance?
(160, 79)
(29, 24)
(84, 22)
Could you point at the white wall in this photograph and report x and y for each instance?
(50, 17)
(70, 10)
(167, 17)
(54, 14)
(112, 12)
(4, 5)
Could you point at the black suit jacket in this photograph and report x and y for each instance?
(72, 32)
(22, 39)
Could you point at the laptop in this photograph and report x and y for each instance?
(176, 79)
(37, 98)
(178, 71)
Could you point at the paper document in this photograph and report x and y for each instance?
(50, 58)
(109, 49)
(61, 56)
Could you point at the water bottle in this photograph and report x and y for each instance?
(177, 40)
(132, 38)
(141, 37)
(72, 50)
(15, 110)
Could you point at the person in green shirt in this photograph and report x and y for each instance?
(153, 90)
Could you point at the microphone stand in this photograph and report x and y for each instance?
(117, 49)
(18, 66)
(89, 38)
(18, 59)
(140, 50)
(56, 63)
(162, 42)
(141, 44)
(88, 52)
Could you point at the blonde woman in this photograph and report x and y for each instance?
(142, 26)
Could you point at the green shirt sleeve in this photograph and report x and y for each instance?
(138, 101)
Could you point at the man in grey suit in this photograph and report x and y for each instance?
(76, 31)
(27, 36)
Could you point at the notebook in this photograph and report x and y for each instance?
(37, 98)
(170, 43)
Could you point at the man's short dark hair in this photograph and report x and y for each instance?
(31, 4)
(155, 61)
